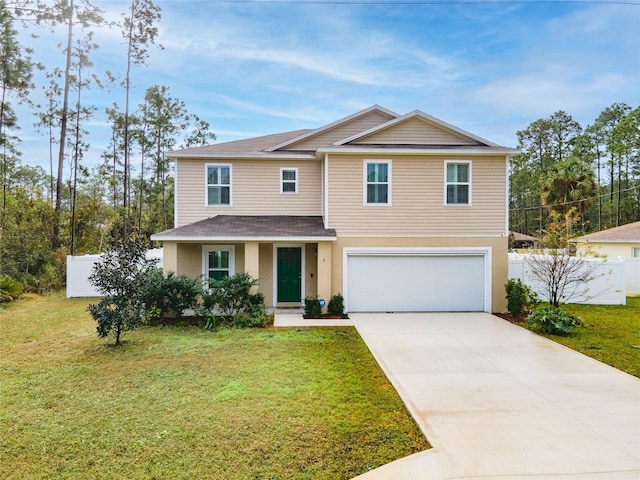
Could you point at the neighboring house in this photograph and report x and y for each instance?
(521, 240)
(623, 241)
(396, 212)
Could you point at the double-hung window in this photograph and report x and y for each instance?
(288, 180)
(218, 184)
(377, 182)
(458, 183)
(218, 261)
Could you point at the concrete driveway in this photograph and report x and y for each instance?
(498, 402)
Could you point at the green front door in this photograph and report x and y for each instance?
(289, 274)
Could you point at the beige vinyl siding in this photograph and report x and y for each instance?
(255, 189)
(340, 132)
(417, 198)
(414, 132)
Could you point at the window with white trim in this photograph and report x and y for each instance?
(458, 183)
(218, 261)
(377, 182)
(288, 180)
(218, 184)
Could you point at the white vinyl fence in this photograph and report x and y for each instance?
(613, 280)
(79, 268)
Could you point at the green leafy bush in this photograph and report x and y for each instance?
(170, 295)
(521, 300)
(312, 307)
(552, 320)
(229, 302)
(336, 305)
(10, 289)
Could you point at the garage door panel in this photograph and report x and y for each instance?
(416, 283)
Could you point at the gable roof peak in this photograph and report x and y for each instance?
(334, 124)
(425, 117)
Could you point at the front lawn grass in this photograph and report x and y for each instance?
(611, 334)
(185, 403)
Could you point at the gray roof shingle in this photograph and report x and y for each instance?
(250, 145)
(624, 233)
(242, 227)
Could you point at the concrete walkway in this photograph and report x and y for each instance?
(498, 402)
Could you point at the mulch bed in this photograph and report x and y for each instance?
(510, 318)
(326, 316)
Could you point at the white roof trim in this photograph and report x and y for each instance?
(332, 125)
(424, 116)
(461, 150)
(178, 238)
(250, 155)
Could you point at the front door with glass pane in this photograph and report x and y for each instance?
(289, 274)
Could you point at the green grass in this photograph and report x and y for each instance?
(184, 403)
(611, 334)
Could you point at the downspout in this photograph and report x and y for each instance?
(507, 190)
(326, 191)
(175, 193)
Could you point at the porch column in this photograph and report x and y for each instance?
(169, 257)
(252, 261)
(324, 270)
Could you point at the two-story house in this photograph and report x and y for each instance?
(395, 212)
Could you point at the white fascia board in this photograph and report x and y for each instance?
(477, 151)
(578, 240)
(332, 125)
(178, 238)
(246, 156)
(424, 116)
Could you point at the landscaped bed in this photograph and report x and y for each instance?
(183, 402)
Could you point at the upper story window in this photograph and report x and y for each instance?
(288, 180)
(377, 182)
(218, 184)
(458, 183)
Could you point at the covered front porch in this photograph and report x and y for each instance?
(290, 256)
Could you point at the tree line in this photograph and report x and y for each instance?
(590, 175)
(71, 208)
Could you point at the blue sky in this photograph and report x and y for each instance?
(253, 68)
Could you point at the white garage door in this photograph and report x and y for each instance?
(416, 283)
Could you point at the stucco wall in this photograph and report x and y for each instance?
(609, 250)
(499, 248)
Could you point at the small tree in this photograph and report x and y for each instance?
(120, 278)
(560, 275)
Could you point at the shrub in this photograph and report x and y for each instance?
(336, 305)
(312, 307)
(255, 319)
(230, 302)
(153, 295)
(10, 289)
(521, 300)
(552, 320)
(170, 295)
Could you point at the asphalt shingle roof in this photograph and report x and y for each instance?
(250, 145)
(248, 226)
(625, 233)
